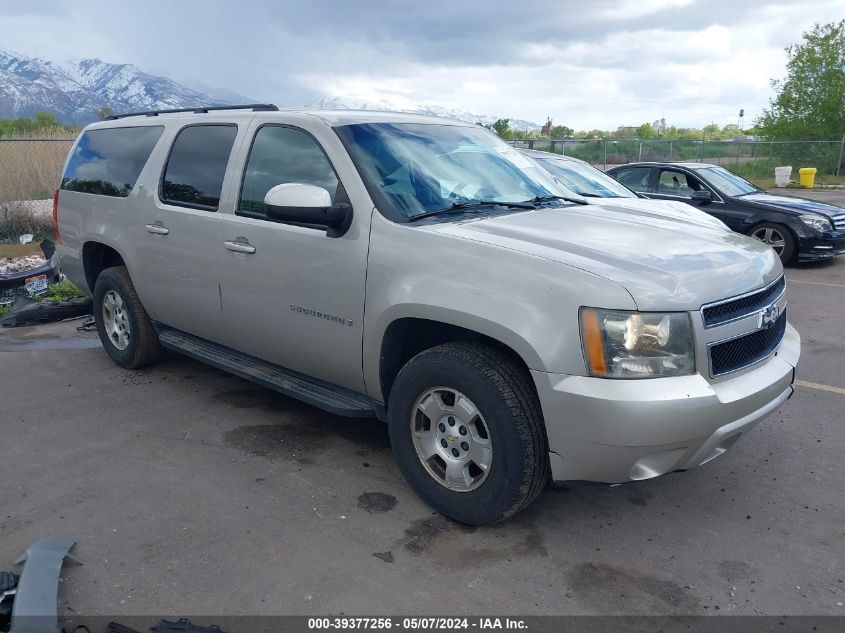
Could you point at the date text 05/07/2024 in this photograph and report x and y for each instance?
(417, 623)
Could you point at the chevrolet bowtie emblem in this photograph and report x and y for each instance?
(769, 315)
(452, 438)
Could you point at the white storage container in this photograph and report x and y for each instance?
(782, 175)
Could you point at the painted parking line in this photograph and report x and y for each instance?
(814, 283)
(820, 387)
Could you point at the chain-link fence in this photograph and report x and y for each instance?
(30, 169)
(750, 158)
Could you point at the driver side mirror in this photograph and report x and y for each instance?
(307, 205)
(703, 195)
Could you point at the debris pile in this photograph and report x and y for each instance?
(10, 266)
(25, 275)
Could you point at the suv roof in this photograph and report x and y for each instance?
(197, 110)
(330, 117)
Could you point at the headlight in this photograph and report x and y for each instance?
(619, 344)
(817, 222)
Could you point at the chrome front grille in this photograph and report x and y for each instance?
(746, 350)
(740, 307)
(838, 221)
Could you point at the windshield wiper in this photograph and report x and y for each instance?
(457, 206)
(541, 199)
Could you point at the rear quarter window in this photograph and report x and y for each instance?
(108, 162)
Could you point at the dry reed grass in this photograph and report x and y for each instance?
(31, 169)
(18, 218)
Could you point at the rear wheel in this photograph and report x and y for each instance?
(467, 432)
(779, 237)
(125, 329)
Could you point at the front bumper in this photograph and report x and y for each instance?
(615, 431)
(815, 248)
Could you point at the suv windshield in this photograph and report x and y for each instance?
(412, 169)
(585, 180)
(727, 182)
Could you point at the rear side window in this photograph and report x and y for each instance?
(281, 155)
(108, 162)
(193, 176)
(635, 178)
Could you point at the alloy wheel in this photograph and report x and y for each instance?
(772, 237)
(116, 320)
(452, 439)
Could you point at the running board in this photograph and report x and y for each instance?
(326, 396)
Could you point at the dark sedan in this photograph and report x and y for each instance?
(793, 227)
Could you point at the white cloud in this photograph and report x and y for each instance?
(585, 63)
(627, 9)
(479, 87)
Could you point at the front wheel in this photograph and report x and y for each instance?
(467, 432)
(779, 237)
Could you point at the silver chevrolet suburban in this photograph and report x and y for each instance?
(421, 271)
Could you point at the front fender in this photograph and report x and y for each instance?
(442, 315)
(528, 303)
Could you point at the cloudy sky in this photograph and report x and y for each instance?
(586, 63)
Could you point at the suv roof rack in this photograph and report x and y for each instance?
(255, 107)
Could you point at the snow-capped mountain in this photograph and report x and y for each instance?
(74, 91)
(401, 104)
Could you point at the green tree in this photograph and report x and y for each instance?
(561, 131)
(809, 103)
(104, 113)
(731, 130)
(45, 120)
(42, 123)
(646, 131)
(502, 128)
(711, 131)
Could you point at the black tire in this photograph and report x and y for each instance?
(790, 242)
(144, 347)
(504, 395)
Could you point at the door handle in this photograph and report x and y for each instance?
(240, 247)
(157, 229)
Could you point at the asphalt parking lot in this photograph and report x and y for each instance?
(190, 491)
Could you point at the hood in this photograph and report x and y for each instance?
(663, 209)
(663, 262)
(798, 205)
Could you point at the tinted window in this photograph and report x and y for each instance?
(677, 183)
(194, 173)
(635, 178)
(108, 162)
(281, 155)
